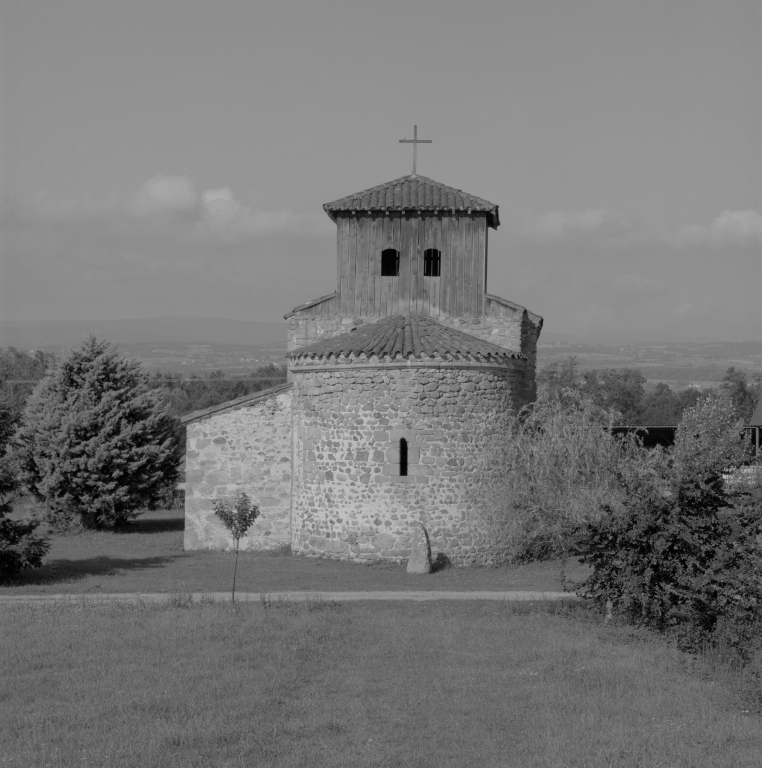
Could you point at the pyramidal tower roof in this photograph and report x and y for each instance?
(414, 193)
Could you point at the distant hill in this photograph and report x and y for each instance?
(621, 338)
(50, 334)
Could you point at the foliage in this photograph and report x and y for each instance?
(743, 396)
(95, 442)
(681, 552)
(611, 389)
(20, 548)
(557, 465)
(622, 390)
(663, 406)
(19, 371)
(616, 390)
(237, 518)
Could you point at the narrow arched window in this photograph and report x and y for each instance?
(403, 457)
(390, 263)
(432, 259)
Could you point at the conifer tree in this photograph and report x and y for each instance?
(97, 444)
(20, 547)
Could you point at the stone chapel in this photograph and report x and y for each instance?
(398, 381)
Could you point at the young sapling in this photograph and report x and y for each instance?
(237, 519)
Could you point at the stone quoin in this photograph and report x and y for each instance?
(398, 383)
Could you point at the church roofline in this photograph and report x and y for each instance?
(232, 405)
(407, 337)
(308, 304)
(414, 193)
(536, 319)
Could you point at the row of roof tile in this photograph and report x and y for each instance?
(407, 336)
(410, 193)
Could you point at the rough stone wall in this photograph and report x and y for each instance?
(246, 449)
(350, 500)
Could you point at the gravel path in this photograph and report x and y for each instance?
(327, 597)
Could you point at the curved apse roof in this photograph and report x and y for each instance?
(414, 193)
(407, 336)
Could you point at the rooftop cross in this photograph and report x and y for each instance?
(415, 141)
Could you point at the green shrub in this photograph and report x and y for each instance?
(554, 467)
(682, 550)
(95, 443)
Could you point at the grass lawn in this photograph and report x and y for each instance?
(149, 557)
(385, 684)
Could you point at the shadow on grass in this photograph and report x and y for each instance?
(153, 525)
(58, 571)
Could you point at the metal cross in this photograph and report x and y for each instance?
(415, 141)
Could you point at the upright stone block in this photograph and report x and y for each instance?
(420, 551)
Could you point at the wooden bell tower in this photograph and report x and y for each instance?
(412, 246)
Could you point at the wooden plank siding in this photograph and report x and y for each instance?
(443, 273)
(479, 248)
(343, 258)
(458, 291)
(349, 307)
(402, 224)
(361, 261)
(424, 298)
(435, 242)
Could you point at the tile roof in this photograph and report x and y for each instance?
(404, 337)
(413, 193)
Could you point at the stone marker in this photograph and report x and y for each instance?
(420, 551)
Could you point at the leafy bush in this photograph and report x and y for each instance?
(682, 551)
(19, 546)
(95, 443)
(556, 466)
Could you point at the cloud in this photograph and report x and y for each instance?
(166, 194)
(592, 224)
(172, 206)
(729, 229)
(223, 214)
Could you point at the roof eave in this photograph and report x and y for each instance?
(235, 404)
(493, 217)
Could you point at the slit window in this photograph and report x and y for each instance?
(432, 259)
(390, 263)
(403, 457)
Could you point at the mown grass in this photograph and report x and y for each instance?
(148, 556)
(361, 685)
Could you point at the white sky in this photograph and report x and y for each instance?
(171, 158)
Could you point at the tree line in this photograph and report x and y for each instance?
(623, 390)
(185, 395)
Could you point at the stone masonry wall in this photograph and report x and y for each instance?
(246, 449)
(350, 501)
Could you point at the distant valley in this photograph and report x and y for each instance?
(194, 345)
(679, 364)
